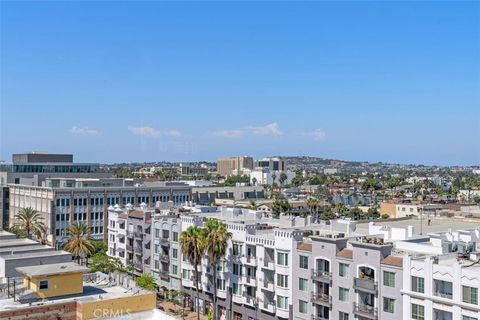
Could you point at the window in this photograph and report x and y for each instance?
(343, 269)
(302, 306)
(418, 284)
(174, 269)
(221, 266)
(43, 285)
(237, 269)
(156, 265)
(237, 289)
(302, 284)
(157, 233)
(186, 274)
(237, 249)
(443, 289)
(418, 312)
(282, 280)
(157, 248)
(342, 315)
(468, 318)
(389, 279)
(282, 302)
(282, 259)
(470, 295)
(304, 262)
(175, 236)
(175, 253)
(221, 284)
(388, 305)
(343, 294)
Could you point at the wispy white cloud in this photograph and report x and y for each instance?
(317, 135)
(271, 129)
(230, 134)
(77, 131)
(150, 132)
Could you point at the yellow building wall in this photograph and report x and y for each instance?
(388, 208)
(116, 307)
(58, 285)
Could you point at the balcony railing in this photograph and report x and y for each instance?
(322, 299)
(165, 258)
(323, 276)
(318, 318)
(164, 241)
(365, 285)
(251, 260)
(365, 311)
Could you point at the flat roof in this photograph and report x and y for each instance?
(52, 269)
(16, 243)
(38, 254)
(438, 224)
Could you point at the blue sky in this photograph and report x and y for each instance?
(151, 81)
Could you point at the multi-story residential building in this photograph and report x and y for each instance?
(234, 165)
(273, 163)
(88, 202)
(265, 176)
(129, 236)
(166, 253)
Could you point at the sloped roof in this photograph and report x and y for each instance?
(345, 253)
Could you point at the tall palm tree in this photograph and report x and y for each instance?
(283, 178)
(31, 221)
(217, 238)
(252, 205)
(312, 204)
(79, 244)
(192, 243)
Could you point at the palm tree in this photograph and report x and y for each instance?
(274, 176)
(283, 178)
(192, 243)
(217, 238)
(252, 205)
(79, 244)
(254, 181)
(312, 204)
(31, 221)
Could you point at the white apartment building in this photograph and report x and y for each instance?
(265, 176)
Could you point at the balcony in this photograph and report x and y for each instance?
(270, 265)
(129, 247)
(164, 275)
(268, 306)
(251, 281)
(367, 285)
(322, 299)
(322, 276)
(268, 285)
(365, 311)
(318, 318)
(251, 260)
(165, 242)
(165, 258)
(138, 234)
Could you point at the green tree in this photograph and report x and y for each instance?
(79, 244)
(147, 282)
(105, 264)
(252, 205)
(312, 204)
(192, 243)
(217, 238)
(279, 206)
(20, 233)
(283, 177)
(327, 214)
(476, 199)
(31, 221)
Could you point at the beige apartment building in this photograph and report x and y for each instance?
(234, 165)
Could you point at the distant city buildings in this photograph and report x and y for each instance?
(234, 165)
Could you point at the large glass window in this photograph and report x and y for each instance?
(443, 289)
(418, 312)
(302, 284)
(388, 305)
(282, 280)
(343, 269)
(282, 259)
(302, 306)
(470, 295)
(418, 284)
(343, 294)
(282, 302)
(342, 315)
(389, 279)
(303, 262)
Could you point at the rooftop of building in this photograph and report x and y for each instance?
(16, 242)
(52, 269)
(34, 254)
